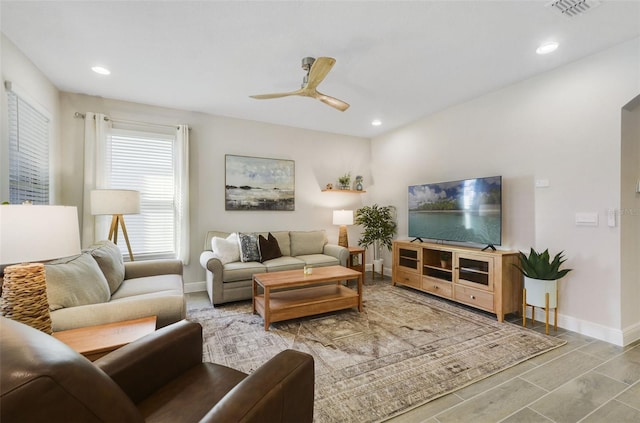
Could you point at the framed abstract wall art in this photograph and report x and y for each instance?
(256, 183)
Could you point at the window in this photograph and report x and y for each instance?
(28, 152)
(145, 162)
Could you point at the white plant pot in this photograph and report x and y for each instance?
(536, 290)
(377, 265)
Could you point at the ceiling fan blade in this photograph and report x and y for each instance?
(276, 95)
(332, 101)
(319, 71)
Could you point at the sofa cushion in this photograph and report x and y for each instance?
(283, 263)
(238, 271)
(269, 248)
(226, 249)
(149, 285)
(109, 258)
(319, 260)
(248, 247)
(75, 281)
(307, 242)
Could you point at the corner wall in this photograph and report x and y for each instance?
(629, 219)
(563, 126)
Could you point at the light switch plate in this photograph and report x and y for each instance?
(542, 183)
(587, 219)
(611, 218)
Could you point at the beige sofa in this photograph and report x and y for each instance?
(231, 281)
(96, 287)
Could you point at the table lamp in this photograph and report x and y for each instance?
(31, 233)
(116, 202)
(343, 218)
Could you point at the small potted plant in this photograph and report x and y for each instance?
(379, 228)
(541, 275)
(344, 181)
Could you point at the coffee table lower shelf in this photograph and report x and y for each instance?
(301, 302)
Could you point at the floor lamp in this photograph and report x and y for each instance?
(116, 202)
(31, 233)
(343, 218)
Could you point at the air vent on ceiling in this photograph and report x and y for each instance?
(573, 8)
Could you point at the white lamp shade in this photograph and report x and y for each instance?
(343, 217)
(31, 233)
(115, 201)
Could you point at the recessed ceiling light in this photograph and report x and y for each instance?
(547, 48)
(376, 122)
(101, 70)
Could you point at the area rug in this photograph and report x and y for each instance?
(405, 349)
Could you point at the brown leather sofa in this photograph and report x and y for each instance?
(160, 377)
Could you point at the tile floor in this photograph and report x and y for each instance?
(585, 380)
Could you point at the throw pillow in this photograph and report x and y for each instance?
(248, 247)
(109, 258)
(226, 249)
(75, 281)
(269, 248)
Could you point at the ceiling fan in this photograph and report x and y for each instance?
(317, 70)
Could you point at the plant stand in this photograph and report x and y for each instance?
(546, 311)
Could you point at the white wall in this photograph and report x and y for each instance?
(35, 88)
(564, 126)
(629, 219)
(319, 159)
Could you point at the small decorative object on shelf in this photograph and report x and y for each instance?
(329, 187)
(345, 180)
(358, 183)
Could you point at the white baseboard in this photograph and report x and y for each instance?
(594, 330)
(195, 287)
(631, 334)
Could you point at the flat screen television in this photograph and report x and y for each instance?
(469, 210)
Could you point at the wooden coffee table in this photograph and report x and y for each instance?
(95, 341)
(313, 294)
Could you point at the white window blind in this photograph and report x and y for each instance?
(144, 162)
(28, 152)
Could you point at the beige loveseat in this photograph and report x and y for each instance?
(231, 280)
(96, 287)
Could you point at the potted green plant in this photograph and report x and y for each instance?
(541, 275)
(379, 227)
(344, 181)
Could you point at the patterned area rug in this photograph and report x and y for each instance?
(405, 349)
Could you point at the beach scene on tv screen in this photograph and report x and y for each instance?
(465, 211)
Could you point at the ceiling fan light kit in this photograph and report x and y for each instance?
(317, 70)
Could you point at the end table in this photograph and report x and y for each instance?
(356, 260)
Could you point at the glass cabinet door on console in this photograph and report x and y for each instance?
(406, 265)
(474, 271)
(408, 259)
